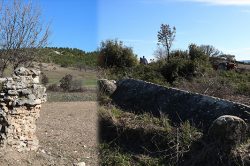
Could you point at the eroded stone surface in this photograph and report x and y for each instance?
(20, 103)
(106, 86)
(228, 130)
(201, 110)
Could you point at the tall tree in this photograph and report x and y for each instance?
(21, 33)
(210, 50)
(114, 54)
(166, 36)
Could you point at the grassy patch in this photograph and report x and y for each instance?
(90, 82)
(113, 156)
(142, 139)
(116, 156)
(55, 73)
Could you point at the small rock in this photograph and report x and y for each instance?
(106, 86)
(228, 130)
(43, 151)
(79, 164)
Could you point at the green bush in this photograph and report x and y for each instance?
(148, 73)
(141, 72)
(44, 79)
(66, 82)
(178, 68)
(54, 88)
(196, 53)
(114, 54)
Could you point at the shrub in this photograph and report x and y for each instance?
(66, 82)
(76, 85)
(44, 79)
(178, 68)
(179, 54)
(54, 88)
(150, 73)
(114, 54)
(196, 53)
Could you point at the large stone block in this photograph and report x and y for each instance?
(139, 96)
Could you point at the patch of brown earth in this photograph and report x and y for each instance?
(67, 132)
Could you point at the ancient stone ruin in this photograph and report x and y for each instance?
(20, 103)
(140, 96)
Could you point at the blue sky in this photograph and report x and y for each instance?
(73, 22)
(84, 24)
(222, 23)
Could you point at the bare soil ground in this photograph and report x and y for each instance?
(67, 132)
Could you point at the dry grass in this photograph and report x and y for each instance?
(142, 139)
(244, 66)
(55, 73)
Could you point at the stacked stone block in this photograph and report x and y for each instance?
(20, 103)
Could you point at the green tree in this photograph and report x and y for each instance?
(166, 36)
(114, 54)
(196, 53)
(210, 50)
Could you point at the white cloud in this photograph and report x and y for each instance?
(240, 53)
(222, 2)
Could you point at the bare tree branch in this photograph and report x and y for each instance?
(21, 33)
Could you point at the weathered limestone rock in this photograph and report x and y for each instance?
(106, 86)
(139, 96)
(20, 103)
(79, 164)
(228, 130)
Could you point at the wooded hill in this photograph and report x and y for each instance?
(68, 57)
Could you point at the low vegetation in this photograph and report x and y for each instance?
(68, 84)
(69, 57)
(142, 139)
(131, 139)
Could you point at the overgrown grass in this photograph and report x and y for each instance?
(142, 139)
(116, 156)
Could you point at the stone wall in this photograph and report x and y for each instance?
(201, 110)
(20, 102)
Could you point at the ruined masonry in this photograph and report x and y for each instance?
(20, 103)
(140, 96)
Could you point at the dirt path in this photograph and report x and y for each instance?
(67, 132)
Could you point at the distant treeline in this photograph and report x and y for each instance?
(68, 57)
